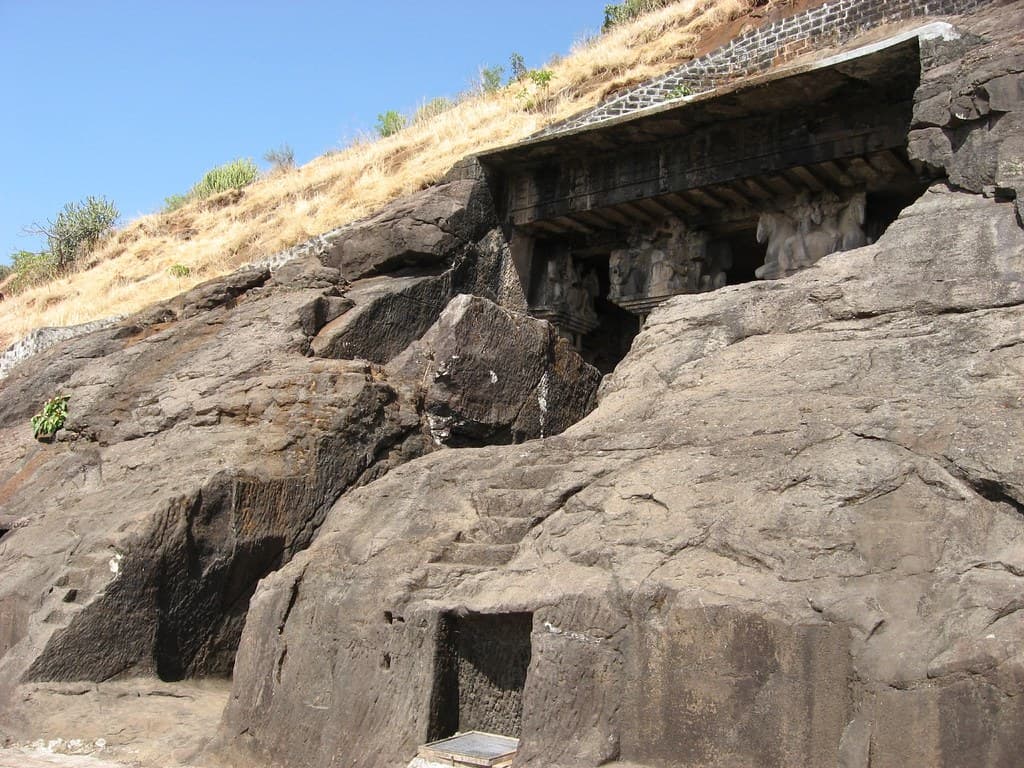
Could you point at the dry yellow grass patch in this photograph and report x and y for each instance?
(132, 268)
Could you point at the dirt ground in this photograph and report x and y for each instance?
(138, 723)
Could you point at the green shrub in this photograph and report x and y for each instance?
(179, 270)
(32, 269)
(6, 270)
(432, 108)
(541, 77)
(628, 10)
(77, 228)
(51, 418)
(389, 123)
(282, 158)
(234, 175)
(174, 202)
(490, 78)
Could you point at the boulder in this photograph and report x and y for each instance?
(488, 375)
(419, 232)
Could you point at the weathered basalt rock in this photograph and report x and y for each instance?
(486, 375)
(205, 442)
(969, 109)
(800, 550)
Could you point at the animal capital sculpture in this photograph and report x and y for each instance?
(809, 230)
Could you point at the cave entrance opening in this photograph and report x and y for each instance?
(480, 672)
(4, 532)
(755, 180)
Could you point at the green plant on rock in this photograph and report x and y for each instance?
(680, 91)
(389, 123)
(51, 418)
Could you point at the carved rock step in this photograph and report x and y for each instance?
(471, 553)
(507, 530)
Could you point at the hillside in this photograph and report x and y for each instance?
(213, 237)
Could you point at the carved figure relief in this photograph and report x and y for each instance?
(662, 262)
(565, 294)
(627, 271)
(809, 230)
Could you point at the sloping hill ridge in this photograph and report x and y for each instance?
(785, 531)
(131, 270)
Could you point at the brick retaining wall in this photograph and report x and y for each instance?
(760, 49)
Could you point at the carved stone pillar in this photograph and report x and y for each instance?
(808, 230)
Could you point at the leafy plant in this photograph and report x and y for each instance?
(541, 77)
(51, 418)
(179, 270)
(680, 91)
(6, 270)
(77, 228)
(234, 175)
(490, 78)
(389, 123)
(282, 158)
(539, 97)
(432, 108)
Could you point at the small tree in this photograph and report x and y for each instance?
(518, 65)
(389, 123)
(490, 78)
(77, 229)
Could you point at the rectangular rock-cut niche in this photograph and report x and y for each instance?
(480, 673)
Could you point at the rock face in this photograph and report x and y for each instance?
(790, 534)
(207, 438)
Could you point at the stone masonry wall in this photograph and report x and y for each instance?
(760, 49)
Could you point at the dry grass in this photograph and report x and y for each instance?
(130, 270)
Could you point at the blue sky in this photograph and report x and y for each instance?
(136, 100)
